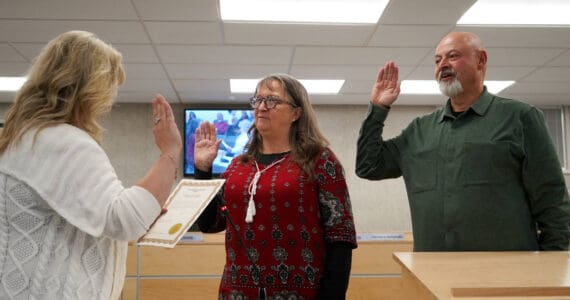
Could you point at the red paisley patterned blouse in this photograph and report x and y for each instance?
(286, 240)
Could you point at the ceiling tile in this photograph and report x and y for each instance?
(362, 72)
(28, 50)
(291, 34)
(221, 71)
(201, 85)
(521, 56)
(521, 37)
(26, 31)
(145, 71)
(225, 55)
(131, 53)
(335, 71)
(177, 10)
(563, 60)
(184, 32)
(408, 35)
(358, 55)
(6, 97)
(507, 73)
(68, 9)
(550, 74)
(13, 68)
(146, 85)
(137, 53)
(9, 54)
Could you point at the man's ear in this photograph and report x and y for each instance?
(482, 58)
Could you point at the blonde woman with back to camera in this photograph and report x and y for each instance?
(65, 217)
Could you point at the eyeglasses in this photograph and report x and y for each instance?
(270, 102)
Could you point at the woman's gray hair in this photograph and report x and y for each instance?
(305, 137)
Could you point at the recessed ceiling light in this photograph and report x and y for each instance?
(517, 12)
(11, 83)
(305, 11)
(313, 86)
(322, 86)
(243, 85)
(431, 87)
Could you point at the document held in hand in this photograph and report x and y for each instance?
(184, 205)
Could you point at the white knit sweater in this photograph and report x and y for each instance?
(65, 218)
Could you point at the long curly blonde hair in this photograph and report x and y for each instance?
(73, 80)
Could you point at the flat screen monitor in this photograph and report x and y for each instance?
(232, 126)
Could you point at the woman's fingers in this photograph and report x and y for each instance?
(206, 131)
(167, 109)
(212, 132)
(158, 109)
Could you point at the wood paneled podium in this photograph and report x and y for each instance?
(485, 275)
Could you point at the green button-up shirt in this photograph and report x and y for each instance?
(488, 179)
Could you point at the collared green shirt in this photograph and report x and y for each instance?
(486, 180)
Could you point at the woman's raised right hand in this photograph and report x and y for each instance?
(206, 146)
(166, 134)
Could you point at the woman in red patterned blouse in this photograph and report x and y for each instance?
(285, 204)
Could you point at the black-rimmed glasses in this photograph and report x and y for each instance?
(270, 102)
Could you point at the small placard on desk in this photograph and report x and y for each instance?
(380, 237)
(192, 237)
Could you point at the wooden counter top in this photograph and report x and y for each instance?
(486, 275)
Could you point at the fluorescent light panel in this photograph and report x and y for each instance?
(517, 12)
(313, 86)
(303, 11)
(11, 83)
(431, 87)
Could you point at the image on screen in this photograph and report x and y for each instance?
(232, 127)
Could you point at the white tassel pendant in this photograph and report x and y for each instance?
(253, 188)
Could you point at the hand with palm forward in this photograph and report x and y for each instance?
(206, 146)
(386, 88)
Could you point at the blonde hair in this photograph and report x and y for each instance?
(73, 80)
(305, 137)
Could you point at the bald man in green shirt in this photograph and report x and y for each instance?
(481, 173)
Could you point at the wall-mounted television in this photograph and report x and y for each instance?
(232, 127)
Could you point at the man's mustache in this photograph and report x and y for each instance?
(445, 72)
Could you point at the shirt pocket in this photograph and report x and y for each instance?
(485, 163)
(420, 172)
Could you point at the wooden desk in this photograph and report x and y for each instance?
(485, 275)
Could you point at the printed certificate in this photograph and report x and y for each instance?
(185, 204)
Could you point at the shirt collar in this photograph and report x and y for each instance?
(479, 107)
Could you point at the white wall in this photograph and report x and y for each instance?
(377, 205)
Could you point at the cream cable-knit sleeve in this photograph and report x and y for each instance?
(70, 171)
